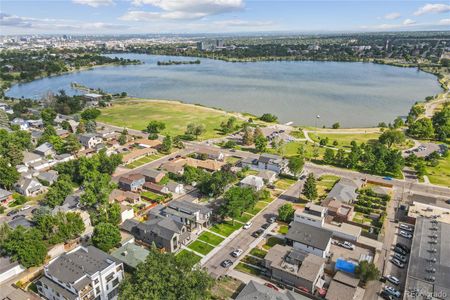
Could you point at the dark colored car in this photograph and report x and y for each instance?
(18, 216)
(400, 250)
(403, 246)
(12, 213)
(385, 295)
(265, 226)
(257, 233)
(226, 263)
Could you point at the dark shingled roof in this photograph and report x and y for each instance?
(309, 235)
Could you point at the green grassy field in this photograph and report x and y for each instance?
(258, 252)
(225, 228)
(345, 139)
(441, 173)
(260, 205)
(200, 247)
(210, 238)
(188, 253)
(325, 183)
(136, 114)
(144, 160)
(284, 183)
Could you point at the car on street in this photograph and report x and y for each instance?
(226, 263)
(12, 213)
(247, 225)
(347, 245)
(405, 234)
(387, 178)
(25, 207)
(405, 227)
(386, 296)
(392, 291)
(397, 263)
(392, 279)
(257, 233)
(403, 246)
(237, 252)
(18, 216)
(34, 210)
(265, 225)
(400, 257)
(400, 250)
(272, 220)
(269, 285)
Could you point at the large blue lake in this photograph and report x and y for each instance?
(354, 94)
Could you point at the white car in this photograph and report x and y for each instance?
(405, 227)
(348, 245)
(237, 252)
(247, 225)
(392, 279)
(25, 207)
(405, 234)
(400, 257)
(392, 291)
(398, 263)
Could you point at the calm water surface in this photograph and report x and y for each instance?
(354, 94)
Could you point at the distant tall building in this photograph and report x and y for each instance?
(201, 46)
(219, 43)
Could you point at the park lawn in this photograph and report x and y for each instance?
(200, 247)
(291, 149)
(284, 183)
(272, 241)
(440, 174)
(258, 252)
(136, 114)
(210, 238)
(344, 139)
(144, 160)
(188, 253)
(244, 268)
(225, 228)
(260, 205)
(297, 134)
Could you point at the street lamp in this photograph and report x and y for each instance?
(317, 118)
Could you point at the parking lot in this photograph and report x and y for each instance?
(347, 254)
(391, 269)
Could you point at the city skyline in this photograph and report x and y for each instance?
(219, 16)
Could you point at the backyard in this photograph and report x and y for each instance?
(136, 114)
(324, 185)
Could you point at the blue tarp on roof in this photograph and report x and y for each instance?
(346, 266)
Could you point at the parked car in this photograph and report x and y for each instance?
(400, 257)
(247, 225)
(25, 207)
(392, 291)
(265, 225)
(257, 233)
(400, 250)
(403, 246)
(268, 284)
(397, 263)
(226, 263)
(392, 279)
(237, 252)
(405, 234)
(387, 178)
(406, 227)
(272, 220)
(347, 245)
(386, 296)
(34, 210)
(12, 213)
(18, 216)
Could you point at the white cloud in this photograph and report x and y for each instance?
(243, 23)
(432, 8)
(444, 22)
(409, 22)
(184, 9)
(94, 3)
(392, 16)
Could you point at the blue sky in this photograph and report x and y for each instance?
(216, 16)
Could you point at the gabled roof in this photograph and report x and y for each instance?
(253, 180)
(257, 291)
(131, 254)
(151, 173)
(162, 227)
(309, 235)
(44, 147)
(4, 193)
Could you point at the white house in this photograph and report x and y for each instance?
(126, 213)
(9, 269)
(309, 238)
(83, 273)
(29, 187)
(89, 140)
(23, 124)
(175, 187)
(312, 214)
(252, 181)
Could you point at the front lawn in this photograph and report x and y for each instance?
(283, 229)
(284, 183)
(143, 161)
(188, 253)
(258, 252)
(244, 218)
(225, 228)
(272, 241)
(260, 205)
(241, 267)
(200, 247)
(210, 238)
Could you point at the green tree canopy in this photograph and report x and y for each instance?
(367, 271)
(286, 212)
(310, 188)
(106, 236)
(155, 127)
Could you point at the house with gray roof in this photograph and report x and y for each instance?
(83, 273)
(252, 181)
(131, 255)
(256, 291)
(29, 187)
(5, 197)
(195, 216)
(46, 149)
(152, 175)
(30, 158)
(20, 221)
(9, 269)
(272, 162)
(49, 177)
(165, 233)
(309, 238)
(296, 268)
(344, 191)
(268, 176)
(89, 140)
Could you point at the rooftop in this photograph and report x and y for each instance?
(309, 235)
(257, 291)
(131, 254)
